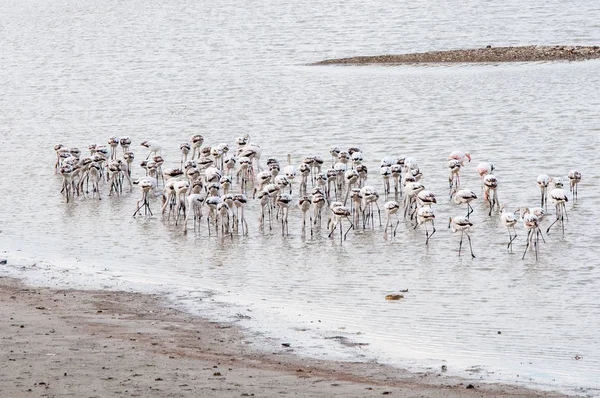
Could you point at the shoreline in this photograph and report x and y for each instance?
(478, 55)
(59, 342)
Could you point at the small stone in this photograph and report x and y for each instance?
(394, 296)
(470, 387)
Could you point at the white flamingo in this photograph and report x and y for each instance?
(490, 192)
(195, 203)
(318, 201)
(339, 212)
(283, 201)
(239, 201)
(531, 224)
(465, 196)
(425, 215)
(463, 225)
(574, 179)
(543, 180)
(196, 140)
(369, 197)
(184, 148)
(147, 186)
(391, 209)
(454, 176)
(304, 203)
(508, 220)
(125, 143)
(153, 147)
(559, 197)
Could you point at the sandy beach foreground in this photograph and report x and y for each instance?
(58, 343)
(488, 54)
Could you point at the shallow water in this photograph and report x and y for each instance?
(79, 72)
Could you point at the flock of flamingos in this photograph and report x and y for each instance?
(216, 182)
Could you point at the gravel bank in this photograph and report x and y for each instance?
(488, 54)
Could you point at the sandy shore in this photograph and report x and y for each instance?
(488, 54)
(59, 343)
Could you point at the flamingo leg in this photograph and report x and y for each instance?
(349, 228)
(433, 232)
(470, 246)
(527, 246)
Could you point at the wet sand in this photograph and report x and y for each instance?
(488, 54)
(58, 343)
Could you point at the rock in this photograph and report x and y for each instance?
(394, 296)
(488, 54)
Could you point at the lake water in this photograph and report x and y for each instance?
(79, 72)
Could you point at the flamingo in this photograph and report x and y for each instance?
(263, 197)
(318, 201)
(460, 156)
(490, 194)
(411, 190)
(125, 143)
(244, 163)
(283, 201)
(508, 220)
(574, 179)
(147, 185)
(212, 202)
(543, 180)
(113, 142)
(483, 169)
(339, 211)
(181, 190)
(196, 140)
(184, 148)
(252, 152)
(239, 201)
(559, 197)
(386, 173)
(225, 182)
(321, 180)
(340, 171)
(463, 225)
(304, 170)
(425, 214)
(465, 196)
(396, 175)
(351, 177)
(454, 177)
(425, 198)
(357, 158)
(223, 218)
(335, 152)
(153, 148)
(531, 224)
(195, 203)
(391, 208)
(369, 197)
(290, 171)
(229, 164)
(362, 171)
(304, 204)
(263, 178)
(129, 157)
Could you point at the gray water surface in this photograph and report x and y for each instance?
(78, 72)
